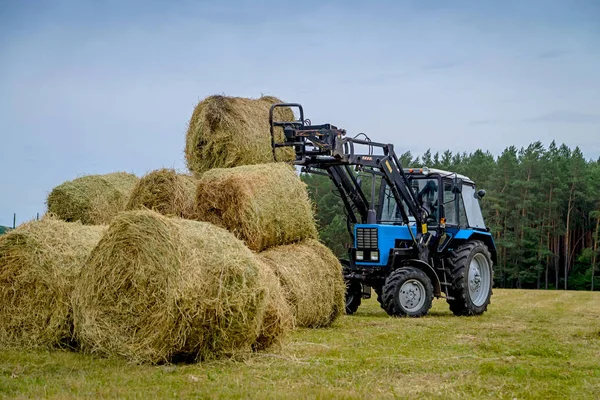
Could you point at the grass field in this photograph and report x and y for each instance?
(530, 344)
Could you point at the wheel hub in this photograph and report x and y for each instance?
(412, 295)
(479, 280)
(475, 279)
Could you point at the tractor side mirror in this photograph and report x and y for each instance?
(457, 185)
(481, 193)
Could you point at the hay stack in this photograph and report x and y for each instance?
(38, 264)
(166, 192)
(91, 199)
(157, 289)
(264, 205)
(311, 277)
(227, 132)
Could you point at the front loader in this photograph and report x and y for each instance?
(417, 233)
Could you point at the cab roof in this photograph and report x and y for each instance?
(423, 171)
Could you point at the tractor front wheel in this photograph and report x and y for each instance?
(353, 296)
(407, 292)
(472, 279)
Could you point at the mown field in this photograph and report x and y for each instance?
(530, 344)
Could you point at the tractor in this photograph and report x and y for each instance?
(416, 233)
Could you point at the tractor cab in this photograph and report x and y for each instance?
(451, 200)
(452, 211)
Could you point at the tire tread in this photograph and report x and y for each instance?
(388, 296)
(461, 305)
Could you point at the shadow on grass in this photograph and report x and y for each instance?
(382, 314)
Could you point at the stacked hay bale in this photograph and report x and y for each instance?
(39, 262)
(278, 319)
(312, 278)
(189, 267)
(228, 131)
(264, 205)
(267, 206)
(166, 192)
(157, 289)
(91, 199)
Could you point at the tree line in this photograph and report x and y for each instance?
(542, 207)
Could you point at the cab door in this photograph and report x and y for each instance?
(454, 207)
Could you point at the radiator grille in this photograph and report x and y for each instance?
(366, 238)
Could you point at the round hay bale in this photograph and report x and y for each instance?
(166, 192)
(39, 262)
(158, 289)
(278, 319)
(227, 132)
(265, 205)
(91, 199)
(311, 277)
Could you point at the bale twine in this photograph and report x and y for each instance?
(311, 277)
(160, 289)
(166, 192)
(227, 132)
(39, 262)
(91, 199)
(265, 205)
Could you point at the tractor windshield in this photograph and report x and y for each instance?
(427, 194)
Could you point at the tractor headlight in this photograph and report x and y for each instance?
(374, 256)
(360, 255)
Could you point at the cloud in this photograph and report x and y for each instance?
(552, 54)
(442, 65)
(486, 122)
(562, 116)
(376, 80)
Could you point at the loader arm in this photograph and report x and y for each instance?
(325, 147)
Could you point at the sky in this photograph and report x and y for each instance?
(90, 87)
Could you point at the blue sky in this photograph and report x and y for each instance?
(95, 87)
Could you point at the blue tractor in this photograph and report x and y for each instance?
(417, 233)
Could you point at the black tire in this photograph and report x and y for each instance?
(403, 287)
(471, 296)
(353, 296)
(379, 292)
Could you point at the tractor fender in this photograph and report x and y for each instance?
(429, 271)
(465, 235)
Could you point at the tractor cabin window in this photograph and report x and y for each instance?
(454, 207)
(472, 207)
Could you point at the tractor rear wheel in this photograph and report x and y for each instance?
(407, 292)
(353, 296)
(472, 278)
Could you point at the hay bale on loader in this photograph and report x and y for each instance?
(264, 205)
(39, 262)
(226, 132)
(311, 277)
(91, 199)
(158, 289)
(166, 192)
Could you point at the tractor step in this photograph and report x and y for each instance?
(445, 284)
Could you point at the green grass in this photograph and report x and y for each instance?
(530, 344)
